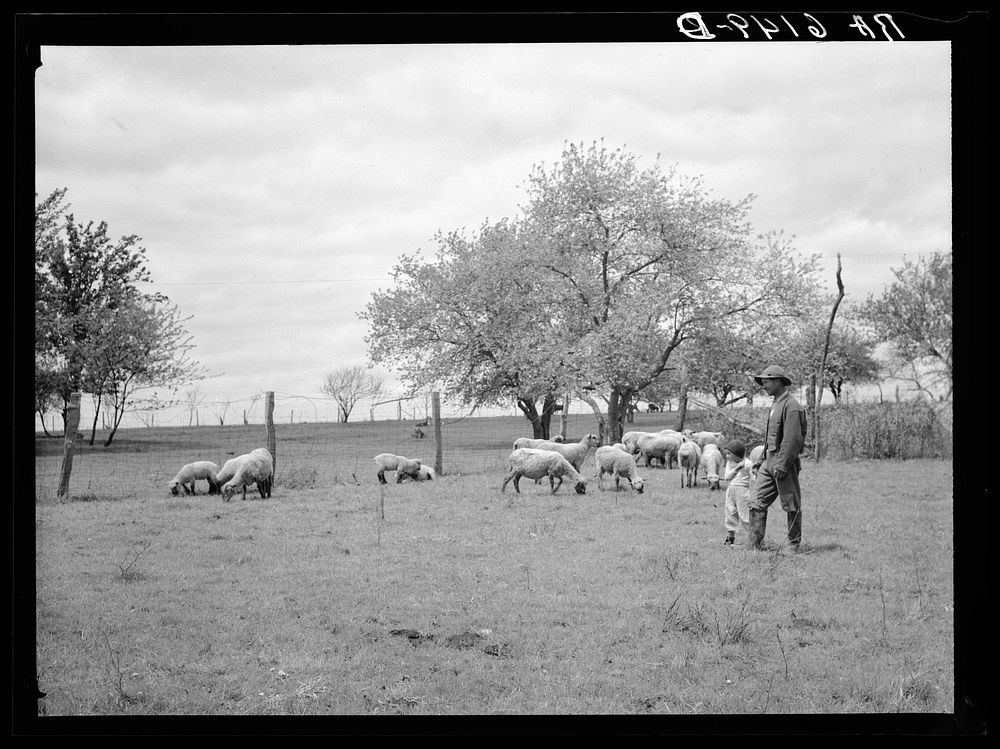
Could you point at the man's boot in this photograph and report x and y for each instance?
(794, 528)
(758, 525)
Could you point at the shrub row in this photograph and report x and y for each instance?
(868, 431)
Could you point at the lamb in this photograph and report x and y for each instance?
(256, 467)
(192, 472)
(534, 464)
(426, 473)
(614, 459)
(713, 463)
(575, 452)
(688, 458)
(660, 446)
(401, 465)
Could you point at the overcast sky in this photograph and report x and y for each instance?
(274, 187)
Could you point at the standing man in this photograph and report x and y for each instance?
(778, 475)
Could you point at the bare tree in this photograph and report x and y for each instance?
(192, 399)
(826, 349)
(348, 385)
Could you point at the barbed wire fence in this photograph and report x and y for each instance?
(292, 426)
(312, 448)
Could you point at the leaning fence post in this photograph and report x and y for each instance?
(436, 410)
(72, 422)
(269, 420)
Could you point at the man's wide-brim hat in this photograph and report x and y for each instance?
(773, 372)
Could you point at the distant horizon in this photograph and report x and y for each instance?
(301, 409)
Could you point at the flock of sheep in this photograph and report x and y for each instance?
(692, 452)
(254, 468)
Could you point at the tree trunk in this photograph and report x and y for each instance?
(618, 405)
(531, 413)
(811, 407)
(602, 422)
(41, 417)
(93, 427)
(822, 365)
(115, 422)
(72, 422)
(682, 400)
(548, 408)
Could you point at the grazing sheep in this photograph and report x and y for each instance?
(713, 463)
(401, 465)
(575, 452)
(192, 472)
(688, 458)
(534, 464)
(426, 473)
(614, 459)
(651, 446)
(256, 467)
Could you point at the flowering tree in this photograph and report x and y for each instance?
(914, 315)
(609, 269)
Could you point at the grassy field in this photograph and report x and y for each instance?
(340, 597)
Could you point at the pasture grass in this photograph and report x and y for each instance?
(340, 597)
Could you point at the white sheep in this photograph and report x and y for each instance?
(229, 469)
(575, 452)
(673, 433)
(688, 458)
(713, 463)
(528, 442)
(653, 446)
(401, 465)
(630, 438)
(426, 473)
(532, 463)
(254, 468)
(199, 470)
(705, 438)
(614, 459)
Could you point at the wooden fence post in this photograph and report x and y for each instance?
(72, 423)
(436, 410)
(269, 420)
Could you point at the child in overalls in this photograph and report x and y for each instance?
(739, 474)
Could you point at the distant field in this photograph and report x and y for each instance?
(465, 601)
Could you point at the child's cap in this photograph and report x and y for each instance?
(737, 448)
